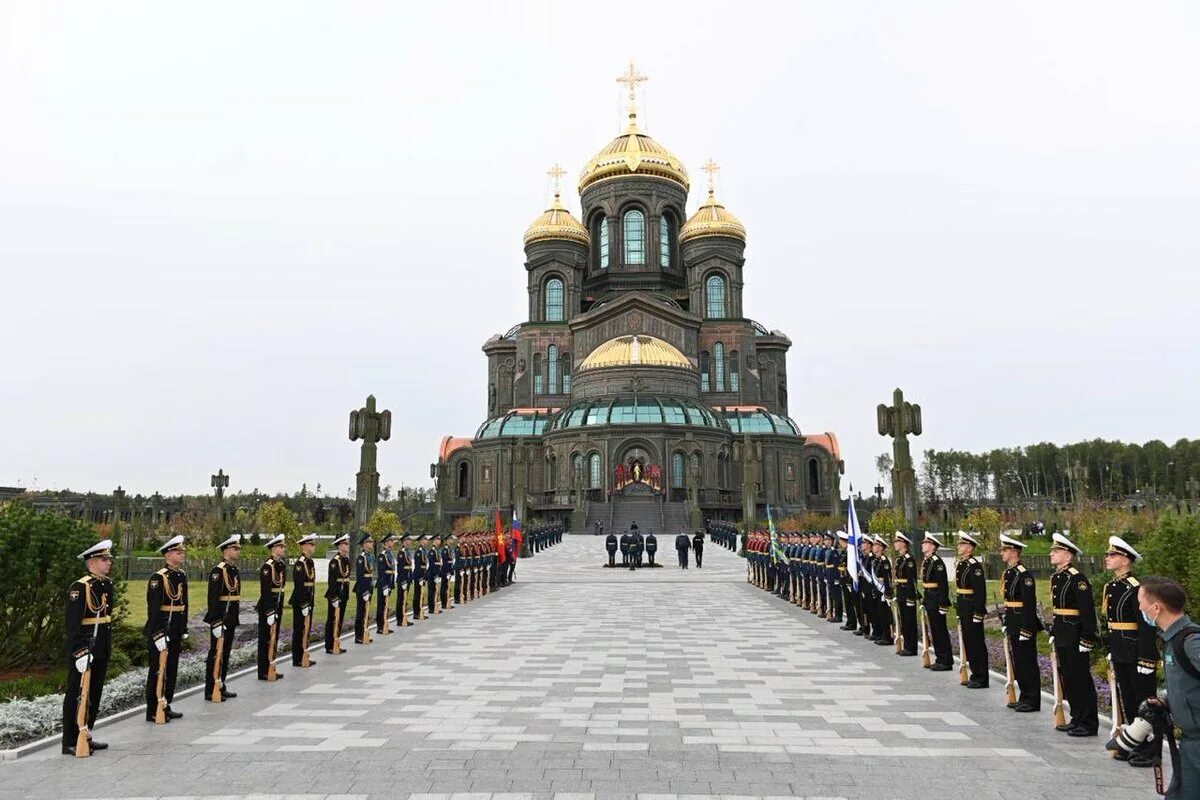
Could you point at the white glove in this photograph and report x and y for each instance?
(270, 619)
(83, 662)
(386, 592)
(304, 611)
(911, 604)
(161, 643)
(1004, 629)
(942, 611)
(1145, 670)
(218, 631)
(1085, 648)
(1050, 640)
(1109, 657)
(337, 603)
(366, 596)
(1022, 638)
(185, 636)
(978, 619)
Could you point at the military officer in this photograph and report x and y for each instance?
(866, 588)
(1021, 624)
(166, 623)
(404, 579)
(936, 602)
(625, 549)
(433, 569)
(886, 593)
(420, 577)
(971, 602)
(364, 587)
(337, 595)
(385, 583)
(1132, 643)
(1073, 634)
(446, 554)
(303, 599)
(272, 582)
(906, 593)
(651, 547)
(846, 583)
(90, 602)
(460, 566)
(224, 596)
(833, 588)
(698, 549)
(610, 545)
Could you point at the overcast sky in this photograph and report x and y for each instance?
(222, 225)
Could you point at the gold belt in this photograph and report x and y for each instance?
(1015, 604)
(172, 608)
(1066, 612)
(929, 586)
(230, 597)
(1112, 626)
(966, 591)
(901, 580)
(95, 620)
(310, 583)
(273, 589)
(343, 580)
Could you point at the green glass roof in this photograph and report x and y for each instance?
(515, 423)
(760, 420)
(624, 410)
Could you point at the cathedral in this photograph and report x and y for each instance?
(638, 384)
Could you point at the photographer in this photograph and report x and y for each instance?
(1161, 601)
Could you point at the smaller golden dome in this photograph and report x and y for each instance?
(624, 351)
(556, 223)
(711, 219)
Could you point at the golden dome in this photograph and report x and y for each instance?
(556, 223)
(633, 153)
(712, 219)
(625, 351)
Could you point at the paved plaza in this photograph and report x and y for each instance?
(582, 682)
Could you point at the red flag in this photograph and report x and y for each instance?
(500, 556)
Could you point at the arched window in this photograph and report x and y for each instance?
(554, 300)
(719, 366)
(539, 385)
(635, 237)
(464, 479)
(601, 236)
(665, 226)
(814, 476)
(735, 374)
(705, 386)
(552, 369)
(714, 302)
(677, 470)
(566, 373)
(594, 471)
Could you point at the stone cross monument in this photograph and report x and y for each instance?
(220, 482)
(126, 540)
(897, 421)
(371, 427)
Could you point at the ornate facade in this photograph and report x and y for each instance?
(637, 371)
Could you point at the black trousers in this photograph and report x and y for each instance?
(401, 598)
(612, 558)
(908, 625)
(699, 551)
(298, 643)
(416, 598)
(458, 579)
(71, 699)
(683, 558)
(939, 633)
(225, 644)
(650, 557)
(173, 649)
(445, 591)
(333, 623)
(883, 620)
(431, 601)
(976, 655)
(360, 618)
(1025, 669)
(264, 642)
(624, 558)
(381, 608)
(835, 597)
(1132, 687)
(849, 606)
(1075, 675)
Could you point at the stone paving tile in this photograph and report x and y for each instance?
(586, 682)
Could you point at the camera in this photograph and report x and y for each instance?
(1140, 741)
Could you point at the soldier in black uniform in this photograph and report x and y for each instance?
(337, 593)
(90, 602)
(224, 596)
(447, 556)
(906, 593)
(420, 576)
(433, 568)
(846, 583)
(651, 546)
(166, 623)
(385, 584)
(1132, 643)
(936, 602)
(1021, 624)
(682, 545)
(698, 549)
(303, 600)
(1074, 635)
(971, 603)
(460, 563)
(866, 588)
(833, 586)
(625, 549)
(404, 578)
(364, 587)
(610, 544)
(637, 546)
(272, 582)
(886, 594)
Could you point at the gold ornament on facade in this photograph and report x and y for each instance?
(640, 350)
(633, 152)
(556, 222)
(712, 219)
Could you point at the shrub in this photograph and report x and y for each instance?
(886, 520)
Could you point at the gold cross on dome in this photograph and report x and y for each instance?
(631, 80)
(556, 172)
(712, 168)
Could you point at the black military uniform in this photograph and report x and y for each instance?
(866, 590)
(166, 623)
(1021, 625)
(625, 549)
(886, 594)
(364, 587)
(385, 583)
(936, 602)
(90, 602)
(610, 544)
(846, 583)
(907, 597)
(971, 603)
(303, 601)
(337, 594)
(1074, 633)
(651, 547)
(698, 549)
(1132, 643)
(447, 557)
(272, 583)
(404, 578)
(433, 568)
(420, 575)
(224, 596)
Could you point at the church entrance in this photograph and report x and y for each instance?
(637, 472)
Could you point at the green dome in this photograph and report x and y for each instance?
(647, 411)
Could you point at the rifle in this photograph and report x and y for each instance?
(160, 712)
(271, 676)
(1010, 684)
(963, 674)
(83, 742)
(1059, 716)
(926, 660)
(304, 659)
(898, 628)
(220, 644)
(337, 624)
(1118, 711)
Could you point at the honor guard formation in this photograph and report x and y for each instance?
(407, 579)
(905, 603)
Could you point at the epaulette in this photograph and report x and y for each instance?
(1132, 580)
(164, 572)
(1072, 571)
(972, 560)
(1020, 567)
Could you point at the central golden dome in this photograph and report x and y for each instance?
(637, 350)
(633, 153)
